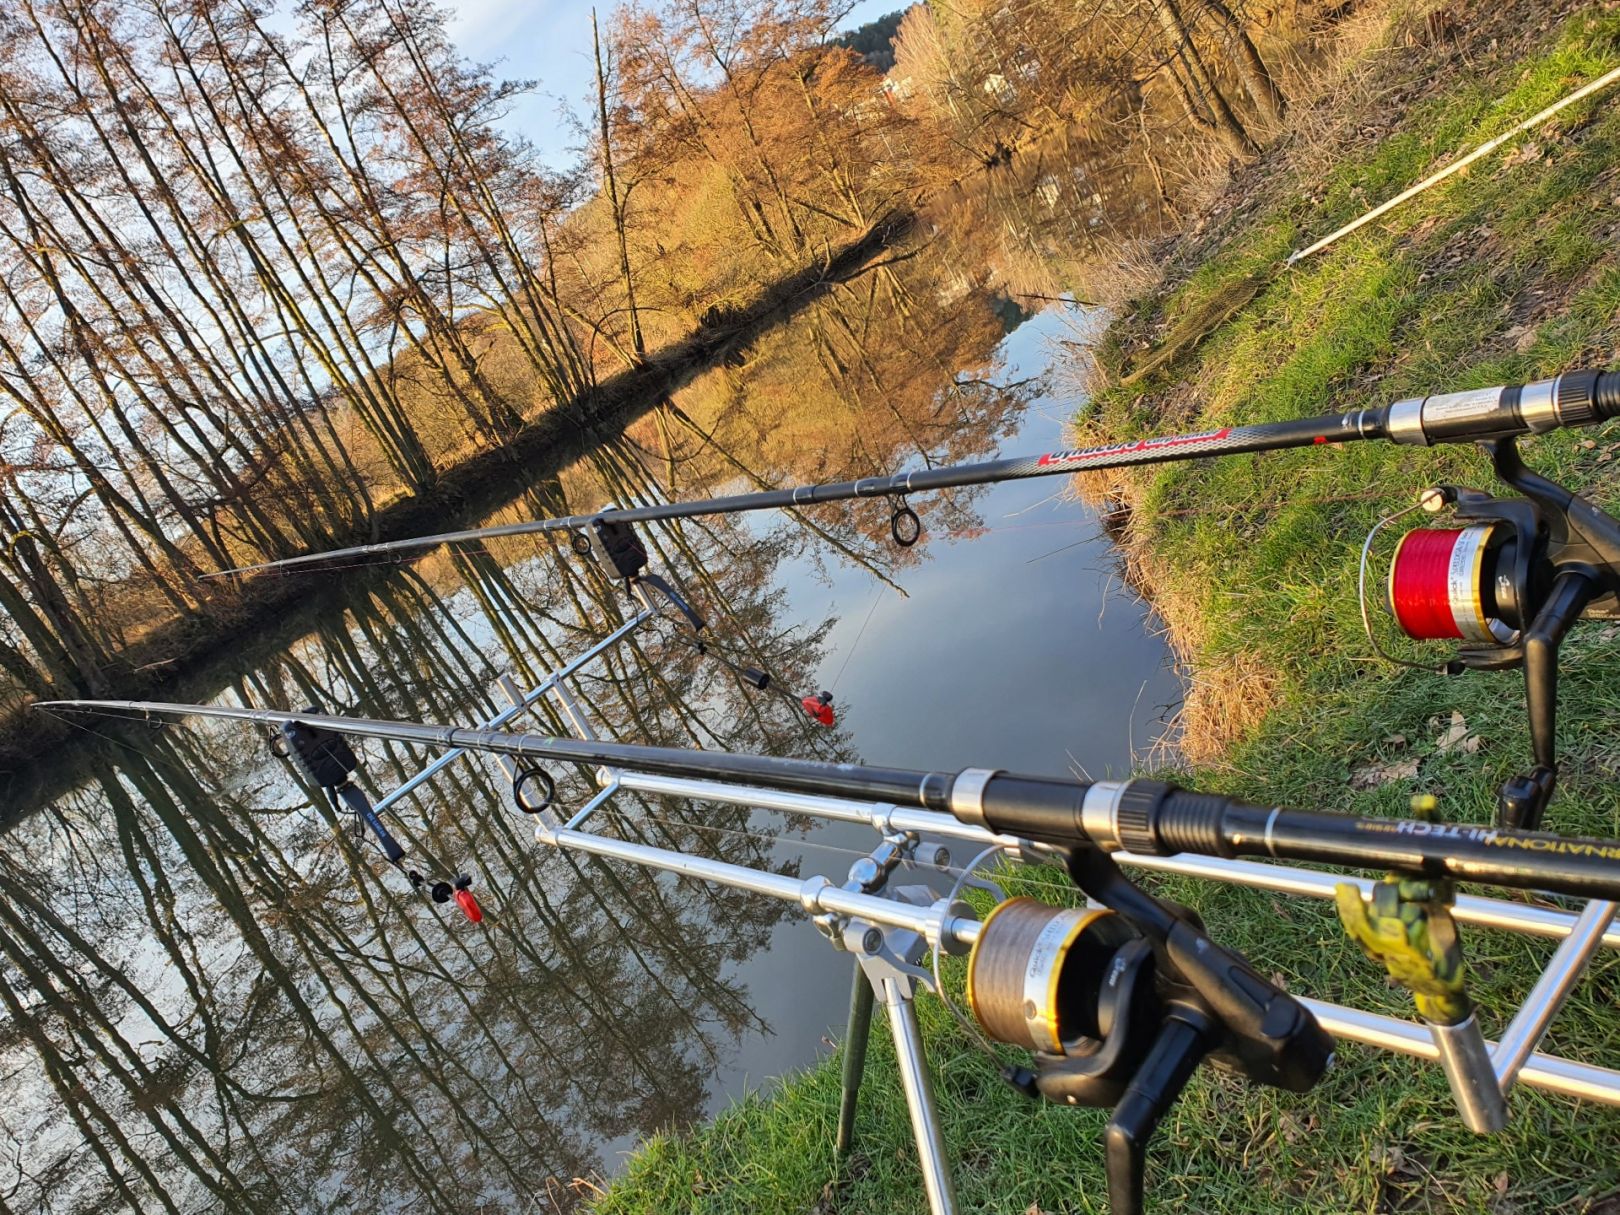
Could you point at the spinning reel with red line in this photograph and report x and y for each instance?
(326, 760)
(1509, 583)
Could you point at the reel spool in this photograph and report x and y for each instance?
(1039, 976)
(1478, 583)
(1456, 583)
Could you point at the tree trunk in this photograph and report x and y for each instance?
(1258, 82)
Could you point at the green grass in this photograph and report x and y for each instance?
(1508, 273)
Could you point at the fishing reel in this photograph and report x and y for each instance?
(1121, 1003)
(325, 759)
(1508, 584)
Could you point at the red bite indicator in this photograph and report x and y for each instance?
(820, 708)
(469, 906)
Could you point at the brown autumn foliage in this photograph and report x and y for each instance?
(264, 271)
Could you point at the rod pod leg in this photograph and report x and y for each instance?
(855, 1038)
(919, 1090)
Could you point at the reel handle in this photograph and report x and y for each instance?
(1260, 1030)
(1183, 1041)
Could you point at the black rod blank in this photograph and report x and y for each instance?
(1576, 398)
(1142, 816)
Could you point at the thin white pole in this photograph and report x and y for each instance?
(1484, 149)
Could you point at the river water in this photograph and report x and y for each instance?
(229, 1000)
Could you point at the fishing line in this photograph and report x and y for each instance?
(877, 595)
(1092, 538)
(975, 1034)
(761, 838)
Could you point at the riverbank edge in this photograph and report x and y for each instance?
(1507, 274)
(185, 659)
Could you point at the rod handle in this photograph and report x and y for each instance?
(1606, 394)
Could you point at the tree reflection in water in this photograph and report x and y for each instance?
(219, 998)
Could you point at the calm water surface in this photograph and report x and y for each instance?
(229, 1004)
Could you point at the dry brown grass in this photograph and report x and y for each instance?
(1227, 696)
(1342, 93)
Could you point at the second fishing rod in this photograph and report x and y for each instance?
(1145, 817)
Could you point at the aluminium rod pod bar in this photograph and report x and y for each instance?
(1576, 398)
(1503, 914)
(952, 926)
(521, 702)
(1141, 816)
(1483, 1068)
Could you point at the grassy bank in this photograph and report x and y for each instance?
(1507, 273)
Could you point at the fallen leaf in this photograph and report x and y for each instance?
(1457, 737)
(1372, 776)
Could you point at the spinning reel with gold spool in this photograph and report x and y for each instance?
(1121, 1003)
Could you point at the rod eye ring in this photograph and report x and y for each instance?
(547, 785)
(905, 525)
(580, 543)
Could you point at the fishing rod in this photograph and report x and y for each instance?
(1508, 585)
(1144, 817)
(1120, 1003)
(1576, 398)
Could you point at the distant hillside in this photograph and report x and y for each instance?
(873, 40)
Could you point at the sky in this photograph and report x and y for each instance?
(549, 41)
